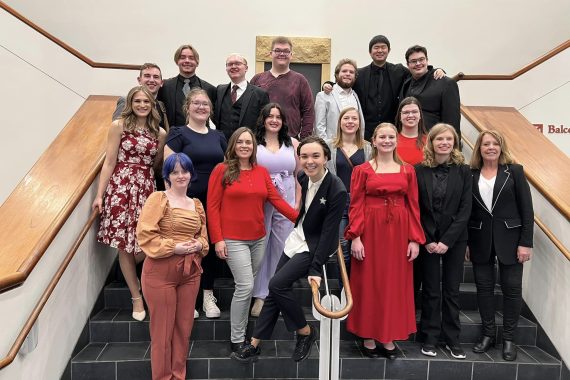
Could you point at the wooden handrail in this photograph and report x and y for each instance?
(57, 41)
(41, 203)
(46, 294)
(345, 283)
(563, 46)
(549, 234)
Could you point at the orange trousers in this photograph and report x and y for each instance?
(170, 287)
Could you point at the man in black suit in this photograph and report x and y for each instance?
(313, 240)
(378, 85)
(173, 92)
(439, 99)
(238, 103)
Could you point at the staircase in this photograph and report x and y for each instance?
(118, 347)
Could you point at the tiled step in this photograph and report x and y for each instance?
(116, 325)
(210, 360)
(117, 294)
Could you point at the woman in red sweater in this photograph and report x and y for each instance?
(411, 131)
(237, 192)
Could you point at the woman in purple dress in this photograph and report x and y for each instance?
(276, 152)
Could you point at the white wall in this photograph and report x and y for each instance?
(66, 313)
(546, 278)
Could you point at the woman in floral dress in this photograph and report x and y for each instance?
(134, 145)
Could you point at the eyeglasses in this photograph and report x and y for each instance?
(237, 64)
(416, 61)
(200, 104)
(414, 112)
(281, 52)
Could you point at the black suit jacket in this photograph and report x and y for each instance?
(508, 224)
(322, 219)
(439, 99)
(397, 73)
(167, 94)
(253, 100)
(456, 206)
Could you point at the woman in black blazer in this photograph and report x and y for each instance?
(501, 225)
(444, 186)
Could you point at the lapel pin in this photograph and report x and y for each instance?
(323, 200)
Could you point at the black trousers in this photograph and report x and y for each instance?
(511, 285)
(440, 306)
(281, 297)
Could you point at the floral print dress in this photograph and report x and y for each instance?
(130, 184)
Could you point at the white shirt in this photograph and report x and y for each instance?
(486, 190)
(346, 97)
(241, 88)
(296, 242)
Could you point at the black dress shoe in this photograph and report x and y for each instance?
(304, 344)
(370, 352)
(509, 350)
(390, 354)
(484, 344)
(236, 346)
(247, 353)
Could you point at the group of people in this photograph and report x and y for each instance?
(256, 174)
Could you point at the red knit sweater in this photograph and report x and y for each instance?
(236, 211)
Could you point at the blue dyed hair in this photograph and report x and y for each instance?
(178, 158)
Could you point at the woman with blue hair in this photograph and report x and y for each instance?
(172, 233)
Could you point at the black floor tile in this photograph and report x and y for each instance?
(124, 351)
(362, 368)
(210, 349)
(139, 331)
(412, 350)
(93, 371)
(268, 349)
(109, 332)
(471, 356)
(494, 371)
(349, 349)
(197, 368)
(230, 369)
(309, 368)
(539, 355)
(202, 330)
(406, 369)
(450, 370)
(90, 353)
(274, 367)
(538, 371)
(106, 315)
(564, 373)
(497, 355)
(134, 370)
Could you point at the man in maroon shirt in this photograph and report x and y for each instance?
(288, 88)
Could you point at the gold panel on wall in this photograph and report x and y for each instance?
(305, 49)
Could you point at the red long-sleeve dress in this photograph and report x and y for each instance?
(384, 212)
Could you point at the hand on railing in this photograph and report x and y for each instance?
(316, 296)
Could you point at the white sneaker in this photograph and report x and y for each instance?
(209, 306)
(196, 314)
(257, 306)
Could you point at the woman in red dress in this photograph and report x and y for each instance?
(384, 226)
(134, 146)
(411, 131)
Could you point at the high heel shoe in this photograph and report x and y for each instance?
(484, 344)
(138, 315)
(509, 350)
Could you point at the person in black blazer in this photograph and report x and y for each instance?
(313, 240)
(243, 111)
(439, 98)
(501, 226)
(444, 186)
(173, 91)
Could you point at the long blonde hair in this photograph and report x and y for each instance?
(375, 150)
(455, 157)
(504, 158)
(129, 117)
(358, 139)
(231, 160)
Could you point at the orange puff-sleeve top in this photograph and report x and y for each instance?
(161, 227)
